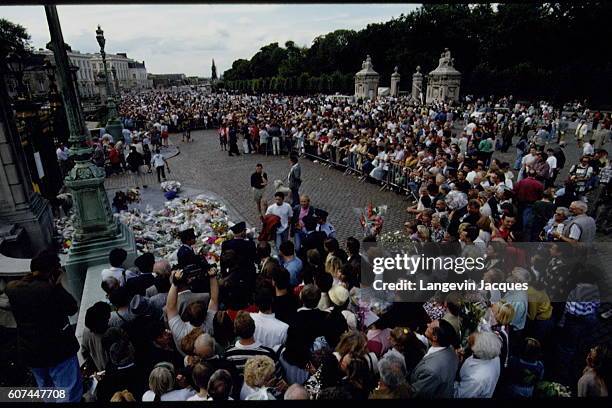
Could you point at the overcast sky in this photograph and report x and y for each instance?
(185, 38)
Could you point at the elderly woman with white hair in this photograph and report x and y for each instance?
(456, 202)
(392, 383)
(556, 224)
(519, 301)
(162, 382)
(479, 373)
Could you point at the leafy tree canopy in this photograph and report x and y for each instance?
(532, 50)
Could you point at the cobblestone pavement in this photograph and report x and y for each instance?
(125, 180)
(202, 165)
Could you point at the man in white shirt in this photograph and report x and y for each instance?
(581, 131)
(469, 129)
(527, 161)
(269, 331)
(552, 165)
(588, 149)
(116, 258)
(284, 212)
(462, 143)
(193, 312)
(158, 161)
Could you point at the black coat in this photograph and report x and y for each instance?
(314, 240)
(41, 311)
(130, 379)
(312, 322)
(247, 257)
(134, 160)
(453, 225)
(187, 256)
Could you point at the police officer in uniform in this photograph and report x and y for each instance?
(246, 253)
(323, 225)
(187, 256)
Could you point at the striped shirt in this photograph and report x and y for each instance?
(583, 300)
(239, 354)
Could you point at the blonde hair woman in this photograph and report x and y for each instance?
(258, 376)
(503, 313)
(333, 266)
(123, 396)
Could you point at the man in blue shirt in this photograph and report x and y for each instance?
(291, 262)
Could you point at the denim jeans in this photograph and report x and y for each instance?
(280, 238)
(66, 374)
(519, 158)
(295, 196)
(276, 146)
(297, 239)
(527, 218)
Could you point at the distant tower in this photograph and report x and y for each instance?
(213, 76)
(366, 81)
(395, 80)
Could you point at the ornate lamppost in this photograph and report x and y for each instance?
(96, 230)
(113, 124)
(114, 71)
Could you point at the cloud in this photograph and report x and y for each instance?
(185, 38)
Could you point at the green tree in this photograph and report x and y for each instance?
(302, 83)
(14, 40)
(290, 84)
(266, 61)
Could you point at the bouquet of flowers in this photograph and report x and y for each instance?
(170, 185)
(372, 219)
(549, 389)
(396, 237)
(472, 315)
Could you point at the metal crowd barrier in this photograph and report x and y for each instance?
(396, 176)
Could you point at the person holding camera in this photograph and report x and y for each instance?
(195, 314)
(42, 306)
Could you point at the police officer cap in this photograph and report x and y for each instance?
(239, 227)
(189, 233)
(321, 213)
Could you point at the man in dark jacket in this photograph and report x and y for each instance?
(245, 250)
(233, 140)
(123, 375)
(134, 161)
(47, 344)
(309, 319)
(313, 240)
(301, 211)
(294, 178)
(186, 255)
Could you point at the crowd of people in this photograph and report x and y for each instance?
(293, 313)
